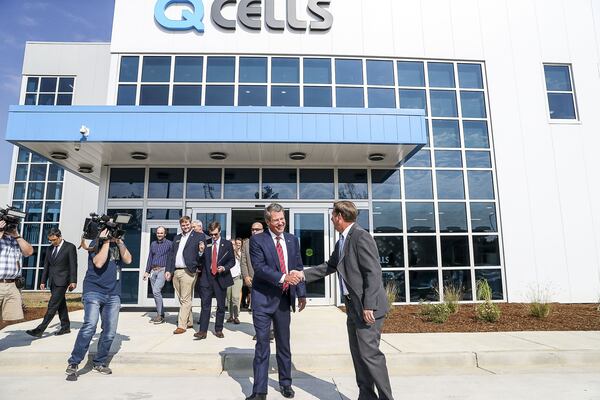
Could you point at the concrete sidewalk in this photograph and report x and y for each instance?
(319, 345)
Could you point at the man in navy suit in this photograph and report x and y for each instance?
(274, 254)
(215, 277)
(181, 267)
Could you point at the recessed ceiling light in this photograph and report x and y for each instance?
(217, 155)
(139, 155)
(297, 156)
(85, 169)
(376, 157)
(59, 155)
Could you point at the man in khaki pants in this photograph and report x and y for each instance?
(12, 248)
(181, 267)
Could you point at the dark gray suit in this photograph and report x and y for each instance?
(359, 266)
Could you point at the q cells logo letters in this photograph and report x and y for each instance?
(188, 19)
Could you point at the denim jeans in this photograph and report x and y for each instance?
(97, 305)
(157, 281)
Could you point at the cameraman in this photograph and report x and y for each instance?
(12, 248)
(101, 298)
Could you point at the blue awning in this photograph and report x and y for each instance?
(395, 133)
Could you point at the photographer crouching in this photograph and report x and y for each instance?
(12, 248)
(101, 294)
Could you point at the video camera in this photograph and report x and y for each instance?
(95, 224)
(12, 216)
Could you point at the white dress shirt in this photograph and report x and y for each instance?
(345, 236)
(179, 260)
(284, 248)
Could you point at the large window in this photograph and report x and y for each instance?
(38, 192)
(560, 91)
(49, 90)
(435, 219)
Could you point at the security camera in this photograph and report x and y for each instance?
(84, 130)
(77, 146)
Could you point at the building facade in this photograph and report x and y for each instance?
(463, 131)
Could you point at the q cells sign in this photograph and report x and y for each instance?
(249, 14)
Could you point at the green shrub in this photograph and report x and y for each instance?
(539, 301)
(391, 290)
(540, 310)
(488, 312)
(438, 312)
(452, 295)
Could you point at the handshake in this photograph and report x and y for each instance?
(294, 277)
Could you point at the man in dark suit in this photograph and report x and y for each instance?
(181, 267)
(60, 267)
(215, 277)
(356, 260)
(274, 254)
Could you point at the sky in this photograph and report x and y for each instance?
(41, 20)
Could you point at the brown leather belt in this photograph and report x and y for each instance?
(7, 280)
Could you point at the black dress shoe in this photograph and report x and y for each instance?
(257, 396)
(62, 331)
(219, 334)
(34, 332)
(287, 392)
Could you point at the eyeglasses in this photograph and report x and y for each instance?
(256, 229)
(214, 234)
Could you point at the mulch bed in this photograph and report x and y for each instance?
(514, 317)
(32, 313)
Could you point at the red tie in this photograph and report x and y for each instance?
(213, 261)
(281, 261)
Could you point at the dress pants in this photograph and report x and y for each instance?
(262, 325)
(183, 282)
(369, 362)
(207, 293)
(233, 297)
(57, 303)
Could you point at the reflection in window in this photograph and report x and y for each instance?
(420, 217)
(483, 217)
(52, 213)
(494, 278)
(443, 103)
(35, 191)
(203, 183)
(253, 69)
(348, 72)
(455, 251)
(450, 185)
(165, 183)
(317, 96)
(422, 251)
(252, 95)
(481, 186)
(317, 70)
(413, 99)
(472, 104)
(387, 217)
(21, 173)
(445, 133)
(163, 214)
(316, 184)
(476, 134)
(126, 183)
(156, 69)
(241, 183)
(279, 183)
(453, 217)
(459, 280)
(469, 76)
(421, 159)
(129, 69)
(424, 286)
(441, 75)
(34, 211)
(448, 159)
(54, 191)
(396, 278)
(380, 72)
(154, 95)
(561, 95)
(381, 98)
(486, 251)
(385, 184)
(411, 73)
(219, 95)
(285, 96)
(126, 95)
(133, 235)
(478, 159)
(38, 172)
(391, 251)
(352, 184)
(187, 95)
(418, 184)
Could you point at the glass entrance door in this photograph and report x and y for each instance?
(148, 236)
(312, 227)
(208, 215)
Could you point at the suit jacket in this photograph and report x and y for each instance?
(190, 252)
(246, 262)
(361, 271)
(62, 269)
(266, 289)
(225, 258)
